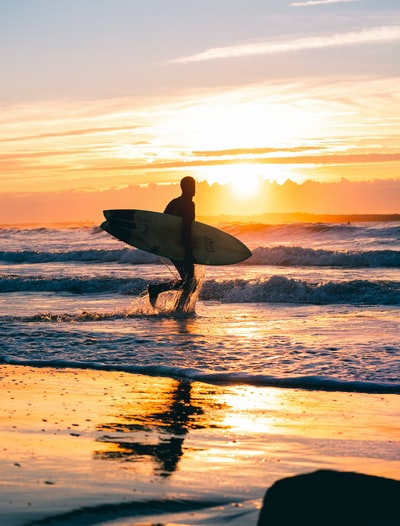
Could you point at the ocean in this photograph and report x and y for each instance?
(286, 362)
(316, 306)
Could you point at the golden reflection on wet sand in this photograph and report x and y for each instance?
(70, 437)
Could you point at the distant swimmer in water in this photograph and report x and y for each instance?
(182, 206)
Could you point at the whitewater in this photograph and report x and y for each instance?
(316, 307)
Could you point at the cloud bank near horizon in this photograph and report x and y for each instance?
(310, 197)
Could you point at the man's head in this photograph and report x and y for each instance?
(188, 185)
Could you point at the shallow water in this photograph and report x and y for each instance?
(316, 306)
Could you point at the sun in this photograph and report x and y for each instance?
(244, 181)
(244, 186)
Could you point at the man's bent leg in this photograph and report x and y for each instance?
(155, 290)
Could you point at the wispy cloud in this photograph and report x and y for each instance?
(320, 2)
(87, 131)
(253, 151)
(374, 35)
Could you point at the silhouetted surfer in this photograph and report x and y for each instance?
(182, 206)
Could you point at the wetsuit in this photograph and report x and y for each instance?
(184, 207)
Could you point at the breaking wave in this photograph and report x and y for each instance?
(276, 289)
(277, 255)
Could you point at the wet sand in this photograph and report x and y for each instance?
(130, 449)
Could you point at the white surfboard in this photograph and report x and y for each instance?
(161, 234)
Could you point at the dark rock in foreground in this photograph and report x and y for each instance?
(332, 498)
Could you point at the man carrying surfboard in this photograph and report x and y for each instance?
(182, 206)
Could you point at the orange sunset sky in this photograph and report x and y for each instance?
(272, 105)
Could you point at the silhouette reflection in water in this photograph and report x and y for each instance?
(154, 425)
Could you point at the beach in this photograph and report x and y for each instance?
(132, 449)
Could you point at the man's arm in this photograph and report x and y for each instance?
(187, 220)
